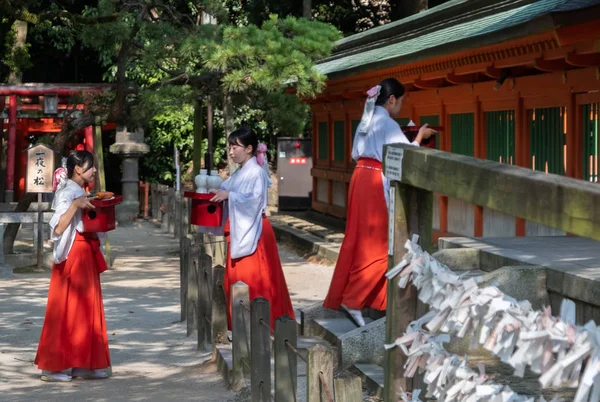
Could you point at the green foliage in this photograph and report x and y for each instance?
(171, 128)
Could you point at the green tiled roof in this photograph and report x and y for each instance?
(491, 27)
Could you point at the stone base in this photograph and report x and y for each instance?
(127, 211)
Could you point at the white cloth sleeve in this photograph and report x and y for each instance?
(245, 216)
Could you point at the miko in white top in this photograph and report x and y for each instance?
(247, 201)
(382, 130)
(62, 201)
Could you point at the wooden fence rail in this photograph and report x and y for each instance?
(417, 173)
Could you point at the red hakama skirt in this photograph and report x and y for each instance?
(359, 278)
(74, 331)
(262, 272)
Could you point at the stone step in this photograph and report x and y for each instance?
(372, 377)
(224, 359)
(332, 329)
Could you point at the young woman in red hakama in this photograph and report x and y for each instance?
(359, 277)
(252, 255)
(74, 332)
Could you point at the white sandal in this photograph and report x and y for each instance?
(355, 315)
(55, 376)
(89, 374)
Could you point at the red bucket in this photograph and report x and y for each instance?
(204, 212)
(102, 218)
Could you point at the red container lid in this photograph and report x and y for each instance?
(114, 200)
(199, 196)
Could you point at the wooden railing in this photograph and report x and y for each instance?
(416, 173)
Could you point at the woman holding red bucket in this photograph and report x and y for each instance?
(74, 332)
(359, 277)
(252, 255)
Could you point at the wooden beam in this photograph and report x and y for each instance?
(583, 60)
(462, 79)
(559, 202)
(431, 84)
(493, 72)
(551, 65)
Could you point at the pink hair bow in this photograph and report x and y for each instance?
(374, 92)
(60, 176)
(261, 153)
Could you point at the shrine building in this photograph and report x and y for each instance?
(515, 81)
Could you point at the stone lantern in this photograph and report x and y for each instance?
(130, 147)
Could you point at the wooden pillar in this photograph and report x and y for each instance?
(88, 135)
(444, 146)
(411, 212)
(574, 146)
(479, 152)
(11, 148)
(521, 151)
(219, 307)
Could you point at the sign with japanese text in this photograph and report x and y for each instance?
(40, 167)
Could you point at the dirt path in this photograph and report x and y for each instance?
(152, 358)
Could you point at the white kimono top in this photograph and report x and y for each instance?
(62, 201)
(247, 201)
(382, 130)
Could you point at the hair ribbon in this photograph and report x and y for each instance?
(369, 110)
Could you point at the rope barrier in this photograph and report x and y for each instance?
(293, 349)
(326, 387)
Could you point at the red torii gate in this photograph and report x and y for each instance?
(47, 121)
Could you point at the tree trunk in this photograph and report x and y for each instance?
(307, 9)
(406, 8)
(16, 77)
(20, 28)
(228, 117)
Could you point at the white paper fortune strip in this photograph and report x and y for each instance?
(563, 353)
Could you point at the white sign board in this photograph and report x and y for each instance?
(40, 168)
(393, 163)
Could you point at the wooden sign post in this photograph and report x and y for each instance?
(40, 168)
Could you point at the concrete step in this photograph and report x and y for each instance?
(372, 377)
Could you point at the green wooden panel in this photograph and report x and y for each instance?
(323, 141)
(500, 132)
(591, 145)
(547, 139)
(339, 141)
(462, 137)
(433, 121)
(355, 124)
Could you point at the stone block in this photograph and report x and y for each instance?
(459, 259)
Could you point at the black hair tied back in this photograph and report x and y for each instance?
(389, 87)
(82, 159)
(244, 136)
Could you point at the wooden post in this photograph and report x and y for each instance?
(40, 234)
(184, 255)
(286, 366)
(101, 185)
(348, 388)
(411, 212)
(177, 227)
(204, 301)
(171, 211)
(165, 215)
(320, 361)
(192, 289)
(197, 154)
(260, 377)
(219, 307)
(146, 197)
(240, 328)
